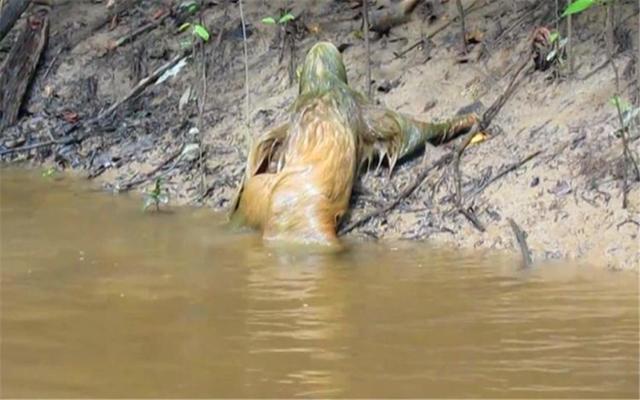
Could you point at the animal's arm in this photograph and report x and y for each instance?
(391, 134)
(266, 148)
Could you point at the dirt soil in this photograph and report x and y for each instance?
(567, 198)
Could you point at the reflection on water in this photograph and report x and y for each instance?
(102, 300)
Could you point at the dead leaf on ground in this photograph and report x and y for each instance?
(70, 116)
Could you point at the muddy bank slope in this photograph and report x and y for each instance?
(552, 162)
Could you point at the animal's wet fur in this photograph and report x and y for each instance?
(299, 176)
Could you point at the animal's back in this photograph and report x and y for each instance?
(313, 188)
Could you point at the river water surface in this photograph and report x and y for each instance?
(102, 300)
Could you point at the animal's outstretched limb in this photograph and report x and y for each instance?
(395, 135)
(263, 151)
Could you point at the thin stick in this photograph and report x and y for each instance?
(463, 31)
(53, 61)
(202, 102)
(150, 174)
(472, 217)
(365, 17)
(43, 144)
(521, 238)
(148, 27)
(433, 33)
(246, 76)
(570, 45)
(509, 168)
(556, 15)
(492, 111)
(139, 88)
(28, 147)
(623, 128)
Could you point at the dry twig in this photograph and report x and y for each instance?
(627, 157)
(504, 171)
(429, 36)
(246, 76)
(142, 85)
(463, 30)
(201, 103)
(128, 186)
(521, 238)
(144, 28)
(365, 19)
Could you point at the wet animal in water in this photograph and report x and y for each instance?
(299, 176)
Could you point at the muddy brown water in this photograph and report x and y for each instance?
(102, 300)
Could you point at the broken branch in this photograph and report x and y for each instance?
(147, 27)
(18, 69)
(509, 168)
(429, 36)
(142, 85)
(521, 238)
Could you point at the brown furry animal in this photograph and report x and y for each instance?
(299, 176)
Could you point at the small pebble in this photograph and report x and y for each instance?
(535, 181)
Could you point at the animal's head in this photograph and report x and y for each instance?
(323, 68)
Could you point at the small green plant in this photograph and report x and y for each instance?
(197, 31)
(49, 172)
(155, 197)
(559, 45)
(282, 19)
(626, 111)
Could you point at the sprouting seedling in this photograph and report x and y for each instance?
(156, 196)
(49, 172)
(626, 110)
(198, 30)
(282, 20)
(559, 44)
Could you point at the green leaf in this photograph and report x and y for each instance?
(184, 27)
(201, 32)
(268, 21)
(286, 18)
(578, 6)
(620, 103)
(47, 173)
(190, 6)
(553, 37)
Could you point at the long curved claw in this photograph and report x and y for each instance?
(395, 135)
